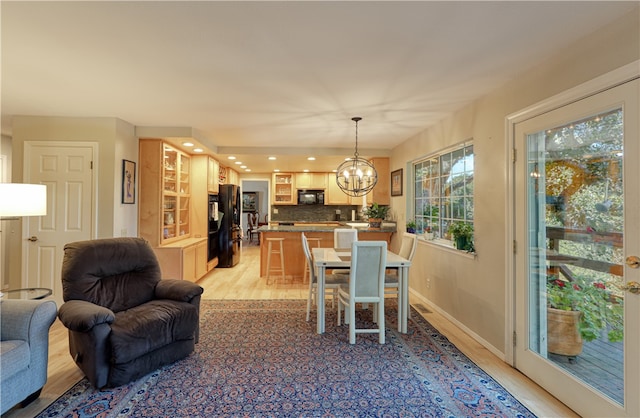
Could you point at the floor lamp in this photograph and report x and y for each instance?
(18, 200)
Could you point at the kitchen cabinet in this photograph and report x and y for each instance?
(232, 177)
(334, 194)
(213, 175)
(183, 260)
(381, 193)
(283, 190)
(165, 193)
(311, 181)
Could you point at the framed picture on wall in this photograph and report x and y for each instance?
(396, 183)
(128, 182)
(249, 201)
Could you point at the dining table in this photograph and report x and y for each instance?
(340, 258)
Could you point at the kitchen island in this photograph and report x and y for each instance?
(294, 256)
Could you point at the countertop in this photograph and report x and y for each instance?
(297, 226)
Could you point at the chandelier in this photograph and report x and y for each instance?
(356, 176)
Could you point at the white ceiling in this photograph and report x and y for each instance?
(278, 78)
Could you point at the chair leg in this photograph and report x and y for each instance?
(309, 302)
(381, 328)
(352, 323)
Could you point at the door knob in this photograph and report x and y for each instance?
(633, 261)
(33, 238)
(633, 287)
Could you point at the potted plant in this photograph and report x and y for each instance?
(376, 214)
(462, 235)
(411, 227)
(580, 311)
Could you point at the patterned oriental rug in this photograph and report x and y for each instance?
(262, 359)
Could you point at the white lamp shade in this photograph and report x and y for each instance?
(23, 199)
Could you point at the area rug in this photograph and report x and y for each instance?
(262, 359)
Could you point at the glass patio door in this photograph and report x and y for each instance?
(577, 226)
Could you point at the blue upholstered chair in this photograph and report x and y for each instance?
(24, 350)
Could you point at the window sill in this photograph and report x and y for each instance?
(446, 245)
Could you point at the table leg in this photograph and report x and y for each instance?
(320, 299)
(404, 289)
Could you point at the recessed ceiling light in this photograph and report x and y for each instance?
(248, 169)
(243, 166)
(198, 150)
(231, 157)
(272, 158)
(187, 144)
(276, 170)
(311, 158)
(305, 170)
(238, 162)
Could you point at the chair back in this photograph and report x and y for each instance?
(408, 246)
(252, 220)
(307, 254)
(116, 273)
(344, 237)
(366, 277)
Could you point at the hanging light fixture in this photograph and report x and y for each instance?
(356, 176)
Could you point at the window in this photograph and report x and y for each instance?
(443, 191)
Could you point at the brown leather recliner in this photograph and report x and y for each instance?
(124, 321)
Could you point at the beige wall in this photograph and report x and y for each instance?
(471, 290)
(116, 141)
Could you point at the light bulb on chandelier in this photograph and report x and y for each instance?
(356, 176)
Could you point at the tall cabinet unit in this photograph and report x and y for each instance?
(165, 208)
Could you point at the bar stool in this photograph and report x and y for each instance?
(315, 243)
(270, 252)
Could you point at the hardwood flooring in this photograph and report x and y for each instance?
(243, 282)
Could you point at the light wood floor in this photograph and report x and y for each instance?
(243, 282)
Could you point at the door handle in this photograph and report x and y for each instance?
(633, 261)
(633, 287)
(33, 238)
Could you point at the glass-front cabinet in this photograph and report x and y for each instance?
(175, 194)
(283, 189)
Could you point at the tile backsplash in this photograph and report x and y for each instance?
(314, 213)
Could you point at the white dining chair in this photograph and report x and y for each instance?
(407, 250)
(331, 281)
(366, 285)
(344, 237)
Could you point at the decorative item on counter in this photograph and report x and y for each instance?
(376, 214)
(411, 227)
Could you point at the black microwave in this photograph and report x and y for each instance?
(311, 197)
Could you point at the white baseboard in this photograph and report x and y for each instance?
(455, 322)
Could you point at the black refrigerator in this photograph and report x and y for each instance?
(229, 238)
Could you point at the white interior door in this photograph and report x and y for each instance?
(577, 222)
(66, 170)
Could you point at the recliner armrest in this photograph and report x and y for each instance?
(82, 316)
(180, 290)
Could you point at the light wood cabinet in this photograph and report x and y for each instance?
(232, 177)
(381, 193)
(213, 175)
(312, 181)
(165, 193)
(334, 195)
(283, 190)
(183, 260)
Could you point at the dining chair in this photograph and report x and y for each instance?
(366, 285)
(252, 224)
(343, 238)
(331, 281)
(407, 250)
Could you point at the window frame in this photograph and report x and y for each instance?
(442, 182)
